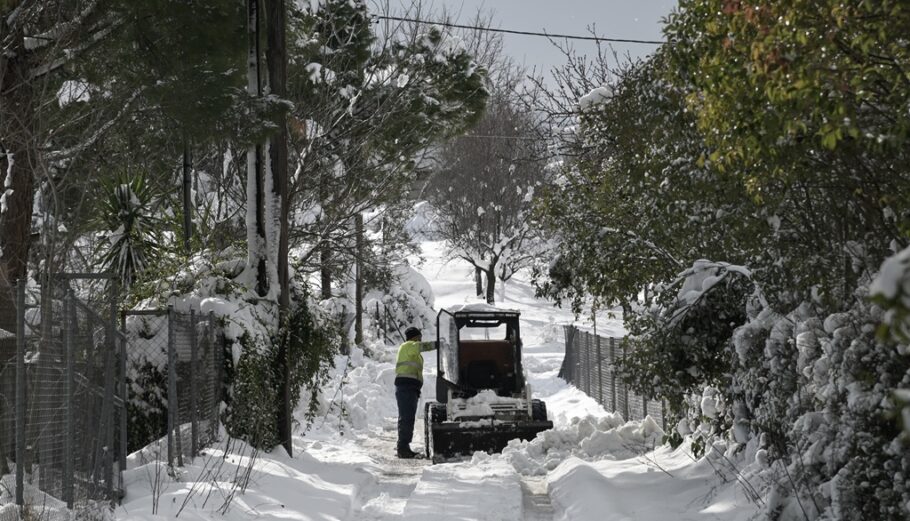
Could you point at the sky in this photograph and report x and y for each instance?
(630, 19)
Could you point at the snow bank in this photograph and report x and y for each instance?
(238, 483)
(663, 484)
(608, 437)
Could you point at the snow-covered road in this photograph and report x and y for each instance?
(592, 466)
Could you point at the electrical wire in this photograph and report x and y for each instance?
(523, 33)
(485, 136)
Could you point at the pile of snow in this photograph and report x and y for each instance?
(608, 437)
(423, 225)
(481, 404)
(358, 395)
(409, 302)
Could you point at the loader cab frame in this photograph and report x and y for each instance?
(478, 350)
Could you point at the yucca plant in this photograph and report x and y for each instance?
(134, 237)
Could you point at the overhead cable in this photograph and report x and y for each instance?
(523, 33)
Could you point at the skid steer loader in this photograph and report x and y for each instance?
(482, 398)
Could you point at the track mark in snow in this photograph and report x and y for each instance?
(535, 499)
(394, 479)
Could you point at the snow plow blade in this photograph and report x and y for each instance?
(462, 438)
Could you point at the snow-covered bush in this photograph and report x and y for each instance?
(146, 377)
(311, 339)
(408, 301)
(820, 391)
(682, 344)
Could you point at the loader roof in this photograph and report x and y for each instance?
(480, 309)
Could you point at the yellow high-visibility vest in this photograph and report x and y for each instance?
(410, 362)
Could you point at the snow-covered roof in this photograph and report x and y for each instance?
(4, 334)
(479, 307)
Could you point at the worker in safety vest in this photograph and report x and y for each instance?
(408, 381)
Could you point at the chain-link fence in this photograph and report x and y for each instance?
(7, 377)
(77, 394)
(591, 364)
(62, 412)
(173, 358)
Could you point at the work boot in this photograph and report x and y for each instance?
(407, 453)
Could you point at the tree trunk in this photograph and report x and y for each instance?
(491, 284)
(187, 197)
(358, 281)
(325, 272)
(478, 281)
(325, 250)
(255, 171)
(276, 58)
(17, 166)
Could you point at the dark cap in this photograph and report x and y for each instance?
(411, 332)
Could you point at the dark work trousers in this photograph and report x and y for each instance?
(407, 392)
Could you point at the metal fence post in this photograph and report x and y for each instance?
(588, 364)
(194, 374)
(576, 357)
(121, 388)
(110, 388)
(573, 368)
(217, 346)
(600, 373)
(625, 389)
(582, 352)
(124, 411)
(69, 312)
(580, 362)
(171, 386)
(20, 392)
(613, 374)
(567, 360)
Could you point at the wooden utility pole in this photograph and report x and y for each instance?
(277, 59)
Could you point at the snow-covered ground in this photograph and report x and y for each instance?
(591, 466)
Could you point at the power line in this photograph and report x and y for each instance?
(489, 136)
(524, 33)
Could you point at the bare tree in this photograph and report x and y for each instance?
(484, 192)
